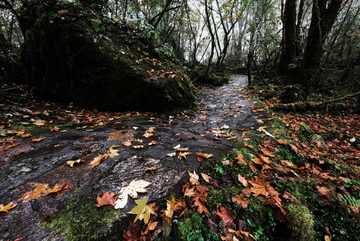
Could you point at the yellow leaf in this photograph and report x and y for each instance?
(182, 155)
(194, 178)
(142, 211)
(96, 160)
(71, 163)
(138, 147)
(148, 134)
(139, 140)
(150, 169)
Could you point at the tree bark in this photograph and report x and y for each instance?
(322, 19)
(288, 53)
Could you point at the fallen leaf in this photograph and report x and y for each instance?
(207, 178)
(152, 143)
(58, 189)
(37, 139)
(148, 134)
(88, 138)
(243, 181)
(226, 215)
(131, 190)
(71, 163)
(138, 147)
(150, 169)
(248, 146)
(182, 155)
(240, 159)
(106, 199)
(132, 232)
(201, 207)
(25, 135)
(207, 156)
(142, 211)
(240, 200)
(194, 178)
(54, 128)
(39, 122)
(127, 143)
(96, 161)
(36, 193)
(171, 154)
(259, 186)
(7, 207)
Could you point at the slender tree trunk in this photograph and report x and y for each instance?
(212, 37)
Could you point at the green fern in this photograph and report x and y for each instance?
(349, 200)
(317, 138)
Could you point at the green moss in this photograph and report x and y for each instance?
(302, 227)
(81, 219)
(218, 195)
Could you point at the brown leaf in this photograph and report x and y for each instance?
(267, 152)
(240, 200)
(243, 181)
(226, 214)
(106, 199)
(248, 146)
(207, 178)
(201, 207)
(240, 159)
(133, 231)
(259, 186)
(88, 138)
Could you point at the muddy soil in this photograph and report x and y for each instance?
(212, 130)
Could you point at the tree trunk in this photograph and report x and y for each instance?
(322, 19)
(288, 53)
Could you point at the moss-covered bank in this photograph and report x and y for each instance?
(72, 54)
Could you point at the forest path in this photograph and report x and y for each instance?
(211, 130)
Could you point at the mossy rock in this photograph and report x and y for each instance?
(74, 55)
(293, 93)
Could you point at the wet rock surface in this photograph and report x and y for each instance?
(212, 129)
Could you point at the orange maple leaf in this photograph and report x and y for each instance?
(201, 207)
(54, 128)
(37, 139)
(7, 207)
(58, 189)
(259, 186)
(36, 193)
(207, 156)
(106, 199)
